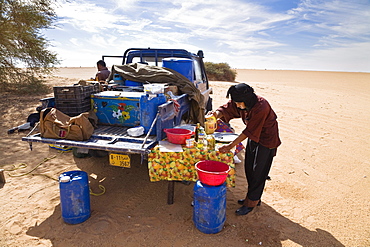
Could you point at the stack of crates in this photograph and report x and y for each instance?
(76, 99)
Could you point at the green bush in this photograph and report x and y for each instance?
(219, 72)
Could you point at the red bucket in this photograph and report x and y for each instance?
(178, 136)
(211, 172)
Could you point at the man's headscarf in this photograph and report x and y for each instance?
(243, 93)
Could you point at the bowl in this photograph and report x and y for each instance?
(211, 172)
(178, 136)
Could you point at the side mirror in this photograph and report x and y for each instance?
(200, 54)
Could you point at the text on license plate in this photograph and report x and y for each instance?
(122, 160)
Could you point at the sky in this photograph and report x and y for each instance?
(322, 35)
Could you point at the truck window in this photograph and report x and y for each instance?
(197, 71)
(148, 61)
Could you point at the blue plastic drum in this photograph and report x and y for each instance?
(209, 211)
(182, 65)
(74, 196)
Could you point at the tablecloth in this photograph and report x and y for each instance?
(180, 166)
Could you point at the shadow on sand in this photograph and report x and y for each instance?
(134, 212)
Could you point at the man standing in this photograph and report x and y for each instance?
(263, 139)
(103, 71)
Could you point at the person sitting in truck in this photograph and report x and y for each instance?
(103, 72)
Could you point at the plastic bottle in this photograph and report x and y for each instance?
(196, 132)
(211, 142)
(202, 142)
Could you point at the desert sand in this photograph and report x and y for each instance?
(318, 194)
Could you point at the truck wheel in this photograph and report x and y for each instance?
(78, 154)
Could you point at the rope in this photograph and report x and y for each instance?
(24, 165)
(102, 188)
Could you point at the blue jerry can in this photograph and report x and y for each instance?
(74, 196)
(148, 110)
(209, 211)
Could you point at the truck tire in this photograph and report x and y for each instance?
(78, 154)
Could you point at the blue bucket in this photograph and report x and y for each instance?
(74, 196)
(209, 211)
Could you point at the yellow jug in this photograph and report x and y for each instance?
(210, 124)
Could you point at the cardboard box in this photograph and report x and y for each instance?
(173, 89)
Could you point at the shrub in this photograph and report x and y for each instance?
(219, 72)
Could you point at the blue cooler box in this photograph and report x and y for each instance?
(117, 108)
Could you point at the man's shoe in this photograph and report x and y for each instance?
(243, 210)
(241, 202)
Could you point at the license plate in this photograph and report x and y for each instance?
(121, 160)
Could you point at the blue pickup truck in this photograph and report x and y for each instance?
(114, 140)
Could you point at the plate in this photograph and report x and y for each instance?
(122, 160)
(225, 136)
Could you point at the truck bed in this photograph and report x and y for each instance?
(115, 139)
(107, 138)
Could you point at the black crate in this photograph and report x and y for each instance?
(75, 92)
(73, 107)
(75, 99)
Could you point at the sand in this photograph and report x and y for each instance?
(318, 194)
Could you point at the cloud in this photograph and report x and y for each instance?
(252, 33)
(334, 22)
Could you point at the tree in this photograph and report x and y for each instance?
(23, 49)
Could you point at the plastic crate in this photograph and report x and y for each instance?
(75, 91)
(75, 99)
(73, 107)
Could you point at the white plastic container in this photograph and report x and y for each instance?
(154, 88)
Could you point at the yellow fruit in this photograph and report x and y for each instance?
(232, 172)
